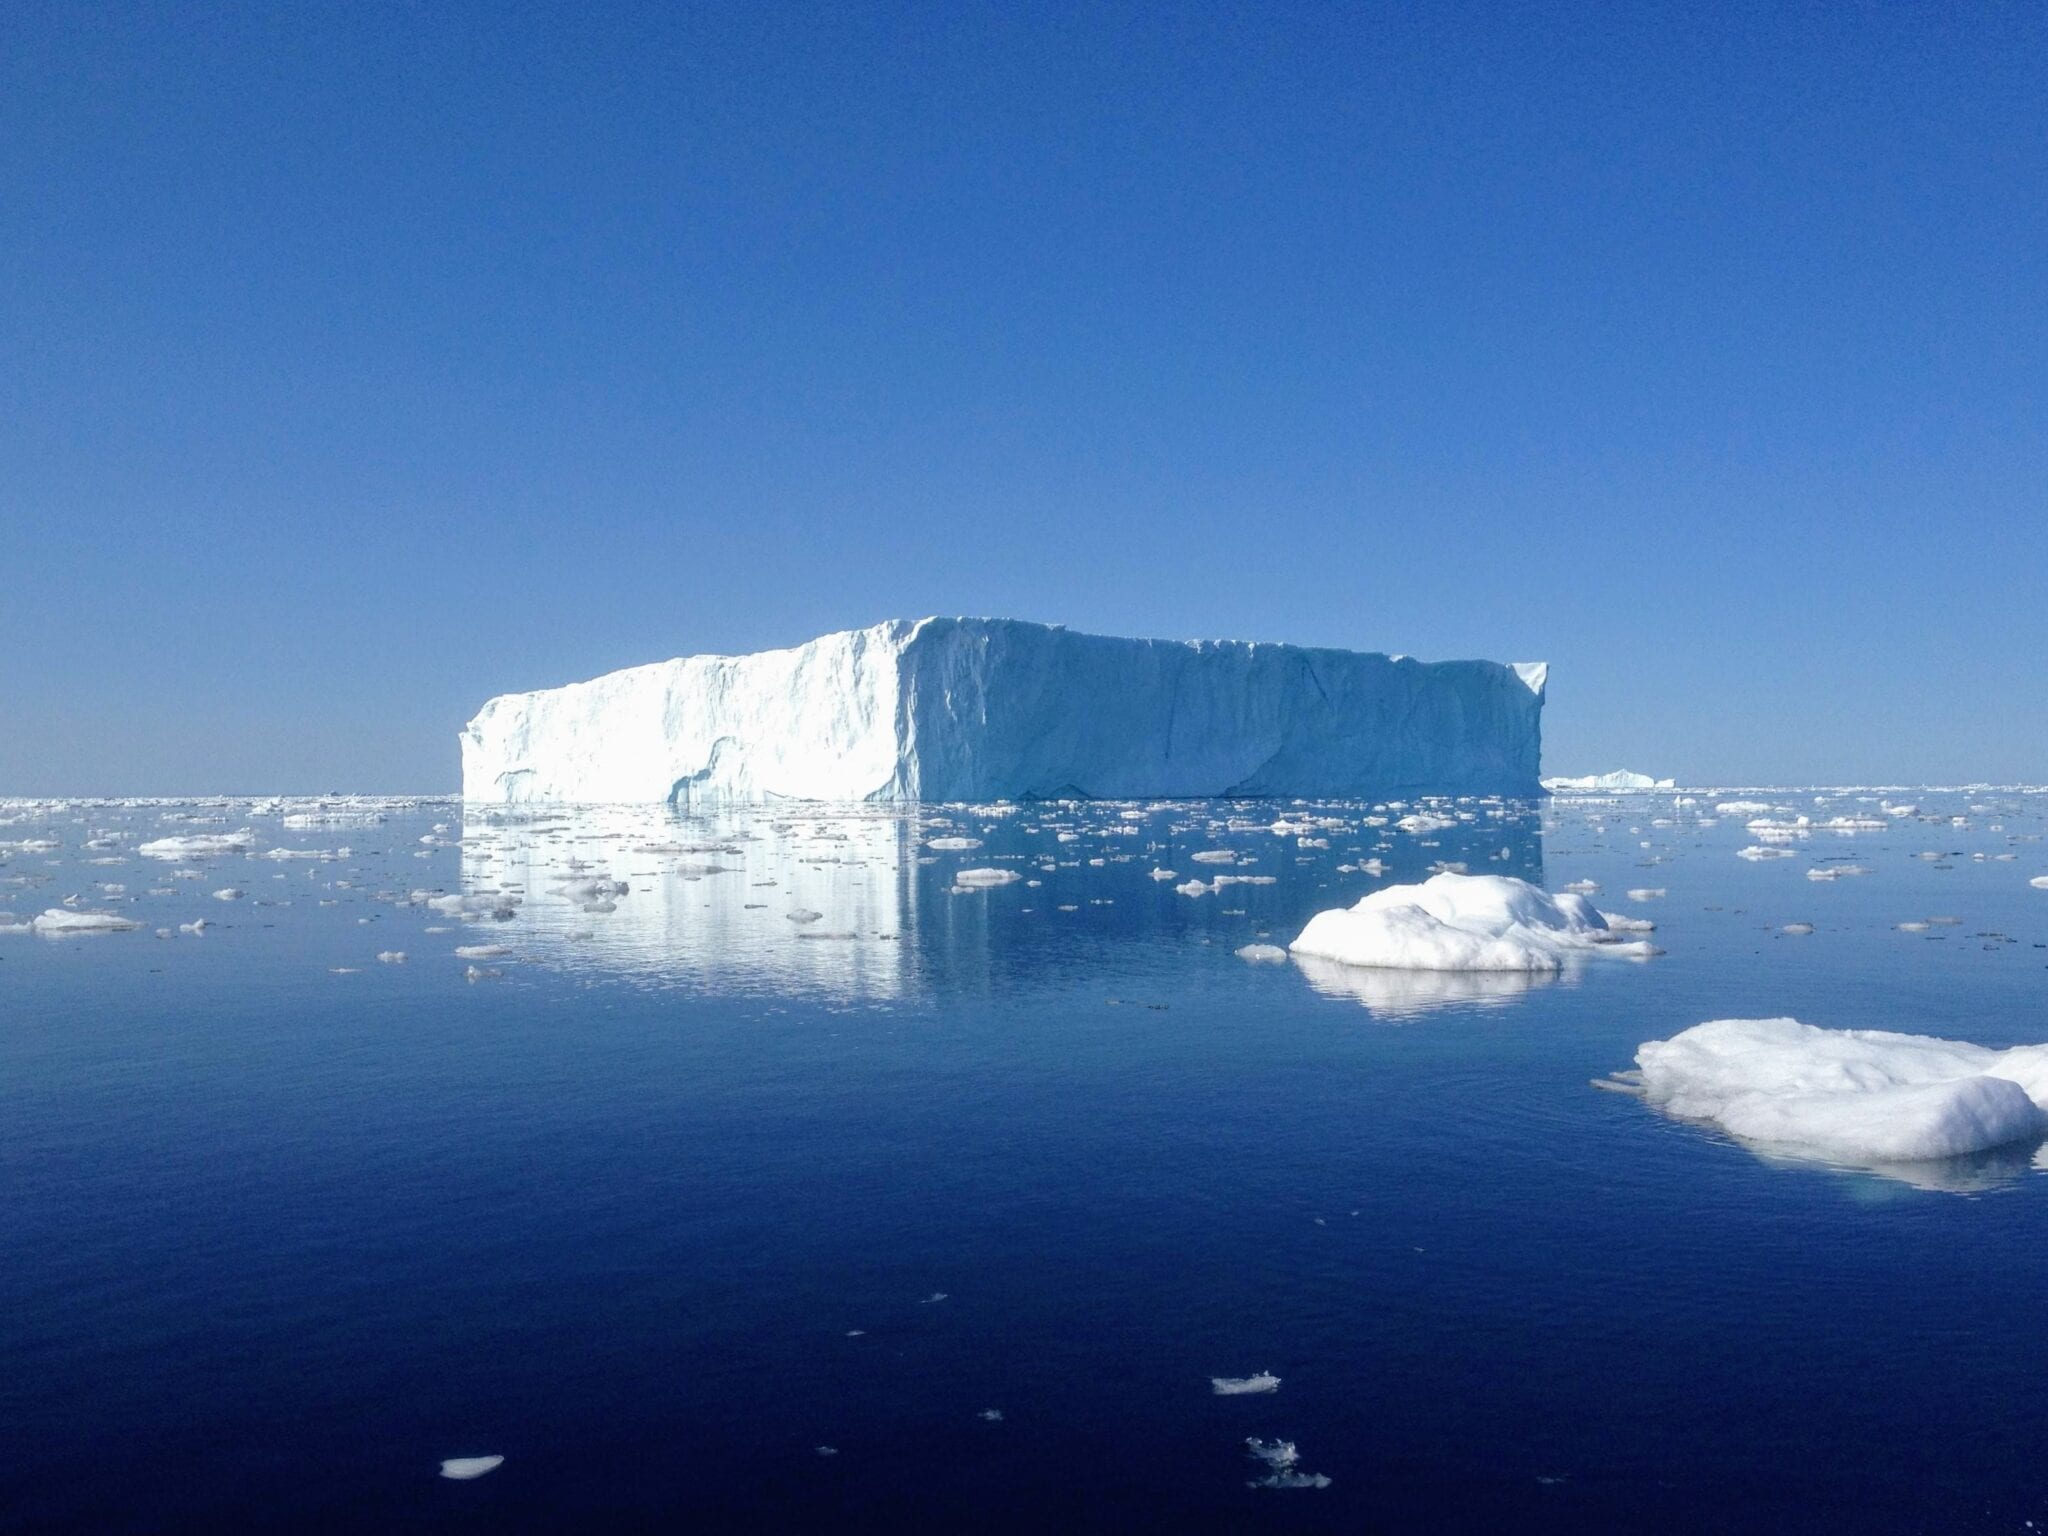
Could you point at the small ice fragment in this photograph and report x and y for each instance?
(1262, 954)
(391, 956)
(935, 1296)
(986, 877)
(992, 1415)
(1795, 928)
(463, 1469)
(828, 1450)
(480, 951)
(804, 915)
(1239, 1386)
(228, 893)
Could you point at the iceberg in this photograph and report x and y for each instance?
(1621, 778)
(991, 709)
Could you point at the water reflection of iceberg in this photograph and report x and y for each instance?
(1396, 994)
(820, 901)
(866, 902)
(1968, 1175)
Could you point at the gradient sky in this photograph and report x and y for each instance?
(361, 361)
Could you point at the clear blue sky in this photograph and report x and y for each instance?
(360, 361)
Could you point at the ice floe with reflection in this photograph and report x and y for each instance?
(1454, 922)
(1860, 1098)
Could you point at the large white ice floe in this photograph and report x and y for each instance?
(1453, 922)
(198, 845)
(64, 920)
(1860, 1096)
(986, 709)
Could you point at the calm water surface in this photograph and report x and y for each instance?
(688, 1184)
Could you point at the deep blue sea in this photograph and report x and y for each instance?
(797, 1187)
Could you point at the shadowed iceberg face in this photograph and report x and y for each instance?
(891, 901)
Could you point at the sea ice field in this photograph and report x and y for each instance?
(390, 1164)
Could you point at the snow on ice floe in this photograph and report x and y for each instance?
(464, 1469)
(1854, 1096)
(1454, 922)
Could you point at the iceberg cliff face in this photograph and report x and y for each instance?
(983, 709)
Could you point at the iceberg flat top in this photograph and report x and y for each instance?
(981, 709)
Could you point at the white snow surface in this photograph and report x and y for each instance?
(945, 709)
(1453, 922)
(1854, 1095)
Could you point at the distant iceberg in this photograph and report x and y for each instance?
(1621, 778)
(987, 709)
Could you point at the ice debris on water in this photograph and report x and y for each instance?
(463, 1469)
(1283, 1466)
(1240, 1386)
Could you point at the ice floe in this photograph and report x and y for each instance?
(464, 1469)
(1453, 922)
(1858, 1096)
(1241, 1386)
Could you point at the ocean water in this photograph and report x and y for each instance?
(688, 1185)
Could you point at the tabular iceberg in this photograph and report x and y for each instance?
(987, 709)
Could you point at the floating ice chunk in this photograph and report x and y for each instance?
(1214, 856)
(1282, 1460)
(2039, 882)
(198, 845)
(1583, 887)
(1621, 922)
(953, 844)
(991, 1415)
(228, 893)
(1262, 954)
(479, 951)
(1796, 929)
(1646, 893)
(1165, 874)
(1454, 922)
(61, 920)
(1239, 1386)
(464, 1469)
(1421, 823)
(986, 877)
(1756, 852)
(804, 915)
(1851, 1095)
